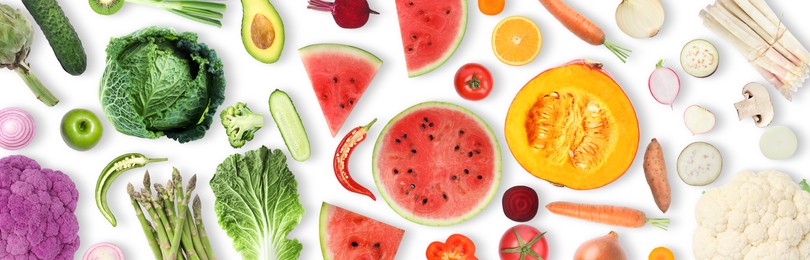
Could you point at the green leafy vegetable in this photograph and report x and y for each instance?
(257, 204)
(160, 82)
(804, 185)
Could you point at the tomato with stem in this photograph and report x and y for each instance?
(473, 81)
(523, 242)
(457, 247)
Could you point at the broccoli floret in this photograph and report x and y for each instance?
(240, 124)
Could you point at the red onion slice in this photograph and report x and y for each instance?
(16, 128)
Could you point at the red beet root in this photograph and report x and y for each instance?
(520, 203)
(348, 14)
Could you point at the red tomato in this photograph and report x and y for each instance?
(512, 248)
(473, 81)
(457, 247)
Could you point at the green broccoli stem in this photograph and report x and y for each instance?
(162, 238)
(40, 91)
(209, 251)
(147, 227)
(168, 207)
(182, 207)
(195, 237)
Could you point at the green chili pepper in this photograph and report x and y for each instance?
(116, 167)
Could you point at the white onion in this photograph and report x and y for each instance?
(778, 143)
(640, 19)
(16, 128)
(664, 84)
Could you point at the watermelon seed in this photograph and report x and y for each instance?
(342, 106)
(398, 141)
(469, 154)
(456, 148)
(444, 195)
(410, 48)
(426, 120)
(477, 151)
(351, 101)
(430, 43)
(334, 79)
(407, 192)
(466, 171)
(427, 19)
(376, 245)
(431, 124)
(424, 201)
(424, 126)
(461, 132)
(410, 170)
(413, 186)
(404, 136)
(413, 36)
(480, 177)
(447, 11)
(354, 244)
(351, 80)
(410, 3)
(453, 177)
(396, 171)
(413, 151)
(430, 137)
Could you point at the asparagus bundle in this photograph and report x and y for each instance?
(173, 233)
(755, 30)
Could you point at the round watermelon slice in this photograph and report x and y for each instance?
(431, 31)
(437, 164)
(348, 235)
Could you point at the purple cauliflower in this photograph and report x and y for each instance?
(36, 211)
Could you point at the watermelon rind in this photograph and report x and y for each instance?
(322, 220)
(336, 47)
(431, 222)
(456, 42)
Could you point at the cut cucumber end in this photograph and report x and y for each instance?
(289, 125)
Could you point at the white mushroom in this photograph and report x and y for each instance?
(757, 104)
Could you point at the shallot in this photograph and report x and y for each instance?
(16, 128)
(664, 84)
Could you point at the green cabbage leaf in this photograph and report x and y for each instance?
(257, 204)
(160, 82)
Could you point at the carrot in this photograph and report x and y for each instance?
(606, 214)
(582, 27)
(655, 169)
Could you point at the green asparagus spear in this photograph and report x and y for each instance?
(209, 251)
(163, 239)
(185, 241)
(147, 227)
(182, 207)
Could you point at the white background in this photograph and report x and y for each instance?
(392, 91)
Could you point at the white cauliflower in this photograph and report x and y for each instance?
(759, 216)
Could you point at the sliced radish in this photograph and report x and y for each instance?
(664, 84)
(699, 164)
(699, 58)
(103, 251)
(698, 119)
(778, 143)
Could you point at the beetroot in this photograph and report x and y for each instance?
(348, 14)
(520, 203)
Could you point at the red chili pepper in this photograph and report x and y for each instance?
(341, 160)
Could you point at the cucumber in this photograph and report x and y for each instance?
(60, 34)
(290, 125)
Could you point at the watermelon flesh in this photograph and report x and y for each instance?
(437, 164)
(339, 75)
(348, 235)
(431, 31)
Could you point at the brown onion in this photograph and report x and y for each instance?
(604, 247)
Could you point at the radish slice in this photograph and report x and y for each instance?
(664, 84)
(16, 128)
(103, 251)
(698, 119)
(778, 143)
(699, 164)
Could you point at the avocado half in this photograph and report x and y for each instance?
(262, 30)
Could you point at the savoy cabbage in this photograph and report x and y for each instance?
(160, 82)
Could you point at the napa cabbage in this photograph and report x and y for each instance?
(160, 82)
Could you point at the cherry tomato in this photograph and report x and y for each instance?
(473, 81)
(523, 242)
(490, 7)
(457, 247)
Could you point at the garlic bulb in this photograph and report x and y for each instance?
(640, 18)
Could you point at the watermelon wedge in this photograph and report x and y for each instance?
(348, 235)
(437, 164)
(339, 75)
(431, 31)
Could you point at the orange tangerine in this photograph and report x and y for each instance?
(516, 40)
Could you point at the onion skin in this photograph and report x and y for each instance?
(604, 247)
(17, 128)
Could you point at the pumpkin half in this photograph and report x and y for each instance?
(573, 126)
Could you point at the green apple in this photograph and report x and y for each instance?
(81, 129)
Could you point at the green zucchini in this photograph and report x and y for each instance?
(60, 34)
(290, 125)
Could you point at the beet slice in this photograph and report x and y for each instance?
(520, 203)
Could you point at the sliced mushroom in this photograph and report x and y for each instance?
(757, 104)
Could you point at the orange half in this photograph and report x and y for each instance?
(516, 40)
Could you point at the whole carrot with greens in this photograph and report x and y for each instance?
(606, 214)
(341, 160)
(582, 27)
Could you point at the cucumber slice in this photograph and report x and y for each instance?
(699, 164)
(778, 143)
(290, 125)
(699, 58)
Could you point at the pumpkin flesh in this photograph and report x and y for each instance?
(573, 126)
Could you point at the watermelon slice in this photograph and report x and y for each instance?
(431, 31)
(339, 75)
(348, 235)
(437, 164)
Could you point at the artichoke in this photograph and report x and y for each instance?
(16, 35)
